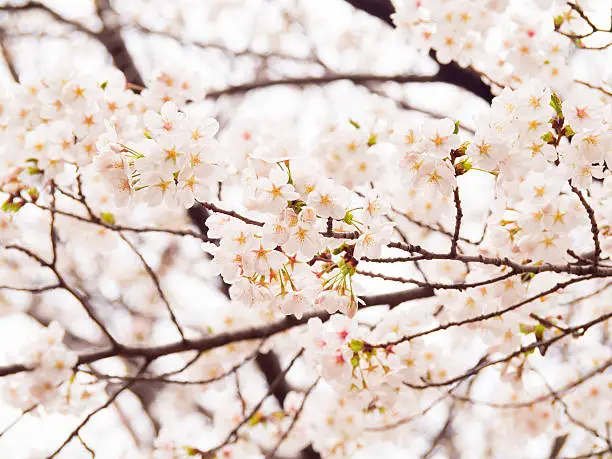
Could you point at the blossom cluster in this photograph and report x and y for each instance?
(324, 240)
(51, 382)
(500, 39)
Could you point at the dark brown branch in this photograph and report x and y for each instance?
(326, 79)
(61, 284)
(232, 436)
(423, 254)
(110, 400)
(231, 213)
(579, 329)
(483, 317)
(458, 217)
(34, 5)
(155, 280)
(594, 228)
(296, 416)
(269, 365)
(8, 58)
(110, 35)
(212, 342)
(111, 39)
(438, 286)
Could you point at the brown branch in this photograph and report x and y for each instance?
(110, 35)
(592, 86)
(95, 220)
(212, 342)
(319, 80)
(110, 400)
(111, 39)
(19, 418)
(232, 436)
(599, 271)
(8, 58)
(438, 286)
(61, 284)
(483, 317)
(269, 365)
(594, 228)
(542, 398)
(296, 416)
(155, 280)
(579, 329)
(34, 5)
(231, 213)
(219, 46)
(458, 217)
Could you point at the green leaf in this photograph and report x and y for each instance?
(526, 329)
(33, 193)
(548, 137)
(104, 85)
(526, 277)
(107, 218)
(339, 250)
(463, 166)
(348, 218)
(12, 206)
(555, 103)
(372, 140)
(355, 124)
(356, 345)
(355, 361)
(456, 131)
(255, 419)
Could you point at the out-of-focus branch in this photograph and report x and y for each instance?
(219, 46)
(8, 58)
(212, 342)
(109, 36)
(111, 39)
(37, 6)
(325, 79)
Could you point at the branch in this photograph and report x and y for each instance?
(34, 5)
(212, 342)
(110, 35)
(296, 416)
(458, 217)
(483, 317)
(6, 54)
(111, 39)
(579, 330)
(357, 78)
(111, 399)
(594, 228)
(156, 282)
(270, 367)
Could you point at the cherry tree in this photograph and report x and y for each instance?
(306, 229)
